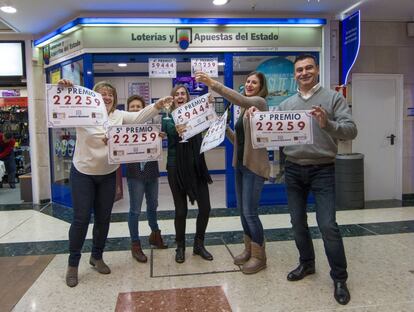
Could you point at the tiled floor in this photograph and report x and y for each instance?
(10, 196)
(379, 243)
(17, 275)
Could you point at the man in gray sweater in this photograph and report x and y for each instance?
(310, 168)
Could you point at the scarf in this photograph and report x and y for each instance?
(191, 167)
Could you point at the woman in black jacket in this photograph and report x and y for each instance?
(187, 176)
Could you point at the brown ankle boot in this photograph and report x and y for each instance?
(72, 276)
(246, 254)
(257, 261)
(99, 265)
(155, 239)
(137, 252)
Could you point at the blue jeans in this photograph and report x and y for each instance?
(320, 180)
(137, 188)
(90, 193)
(248, 190)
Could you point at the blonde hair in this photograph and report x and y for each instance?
(106, 84)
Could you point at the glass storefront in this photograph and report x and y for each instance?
(134, 79)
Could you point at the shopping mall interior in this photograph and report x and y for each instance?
(363, 50)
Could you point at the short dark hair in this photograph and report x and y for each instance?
(305, 56)
(135, 98)
(263, 92)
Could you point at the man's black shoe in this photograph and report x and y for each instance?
(341, 293)
(301, 271)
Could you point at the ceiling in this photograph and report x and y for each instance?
(38, 17)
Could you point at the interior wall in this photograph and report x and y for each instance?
(387, 49)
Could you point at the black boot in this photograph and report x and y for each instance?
(200, 250)
(180, 252)
(304, 269)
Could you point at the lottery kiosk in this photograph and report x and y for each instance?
(148, 56)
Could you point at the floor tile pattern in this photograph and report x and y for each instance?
(203, 299)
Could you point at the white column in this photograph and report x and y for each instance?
(38, 132)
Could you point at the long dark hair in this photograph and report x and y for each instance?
(263, 92)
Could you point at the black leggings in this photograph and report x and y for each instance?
(181, 206)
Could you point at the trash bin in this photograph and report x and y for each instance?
(26, 187)
(349, 181)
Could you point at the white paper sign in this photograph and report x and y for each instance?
(134, 143)
(162, 67)
(281, 128)
(206, 65)
(215, 134)
(197, 115)
(74, 107)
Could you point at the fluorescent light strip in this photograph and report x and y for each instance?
(177, 22)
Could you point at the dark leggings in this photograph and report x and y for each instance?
(181, 207)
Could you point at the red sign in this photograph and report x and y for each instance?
(13, 101)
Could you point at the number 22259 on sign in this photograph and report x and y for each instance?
(281, 128)
(134, 143)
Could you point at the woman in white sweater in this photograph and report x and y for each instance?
(93, 180)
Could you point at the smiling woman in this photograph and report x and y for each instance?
(251, 166)
(93, 180)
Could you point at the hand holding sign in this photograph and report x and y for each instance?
(134, 143)
(281, 128)
(197, 115)
(215, 134)
(320, 115)
(74, 106)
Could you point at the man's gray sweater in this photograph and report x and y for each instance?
(325, 141)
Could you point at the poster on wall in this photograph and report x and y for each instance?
(140, 88)
(74, 106)
(195, 88)
(280, 78)
(55, 76)
(350, 43)
(207, 65)
(72, 72)
(162, 67)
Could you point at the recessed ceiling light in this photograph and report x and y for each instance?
(8, 9)
(220, 2)
(122, 64)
